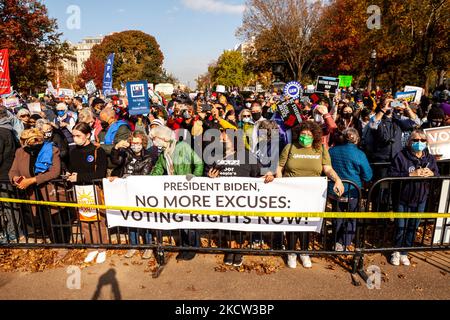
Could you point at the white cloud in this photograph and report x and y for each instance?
(215, 6)
(120, 10)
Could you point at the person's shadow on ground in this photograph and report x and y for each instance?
(109, 278)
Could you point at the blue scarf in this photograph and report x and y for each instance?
(44, 160)
(112, 131)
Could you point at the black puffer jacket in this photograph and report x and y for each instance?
(128, 163)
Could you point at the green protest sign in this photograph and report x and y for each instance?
(345, 81)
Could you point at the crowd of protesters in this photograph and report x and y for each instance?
(340, 135)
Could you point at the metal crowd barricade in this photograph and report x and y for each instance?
(385, 195)
(31, 226)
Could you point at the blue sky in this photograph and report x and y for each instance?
(191, 33)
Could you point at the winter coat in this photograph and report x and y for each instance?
(413, 193)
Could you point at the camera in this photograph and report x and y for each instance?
(396, 104)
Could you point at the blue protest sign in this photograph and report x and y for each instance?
(293, 90)
(108, 75)
(138, 103)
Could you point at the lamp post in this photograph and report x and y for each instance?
(373, 60)
(278, 68)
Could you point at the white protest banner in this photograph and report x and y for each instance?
(243, 195)
(34, 107)
(85, 195)
(419, 92)
(439, 142)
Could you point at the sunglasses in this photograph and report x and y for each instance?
(419, 140)
(246, 116)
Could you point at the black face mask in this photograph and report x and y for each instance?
(347, 116)
(33, 150)
(256, 116)
(436, 124)
(105, 125)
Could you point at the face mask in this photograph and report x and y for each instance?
(79, 142)
(33, 150)
(248, 105)
(318, 118)
(48, 135)
(256, 116)
(436, 124)
(186, 115)
(136, 148)
(347, 116)
(419, 146)
(306, 141)
(60, 113)
(246, 120)
(105, 125)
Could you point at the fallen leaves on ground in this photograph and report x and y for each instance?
(260, 265)
(38, 260)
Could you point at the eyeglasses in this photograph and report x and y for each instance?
(246, 116)
(419, 140)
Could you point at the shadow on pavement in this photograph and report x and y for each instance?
(109, 278)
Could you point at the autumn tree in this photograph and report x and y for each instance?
(33, 42)
(284, 30)
(411, 43)
(137, 57)
(229, 70)
(93, 70)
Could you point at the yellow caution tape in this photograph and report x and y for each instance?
(342, 215)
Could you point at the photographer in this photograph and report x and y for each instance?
(387, 128)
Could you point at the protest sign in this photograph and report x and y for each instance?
(243, 195)
(345, 81)
(327, 83)
(51, 89)
(138, 98)
(419, 92)
(407, 96)
(293, 90)
(66, 93)
(85, 195)
(90, 87)
(5, 81)
(11, 102)
(439, 142)
(34, 107)
(310, 88)
(108, 74)
(289, 113)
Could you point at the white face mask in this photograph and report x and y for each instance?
(136, 148)
(318, 118)
(248, 105)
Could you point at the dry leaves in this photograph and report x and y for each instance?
(260, 265)
(38, 260)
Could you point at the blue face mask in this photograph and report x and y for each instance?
(419, 146)
(60, 113)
